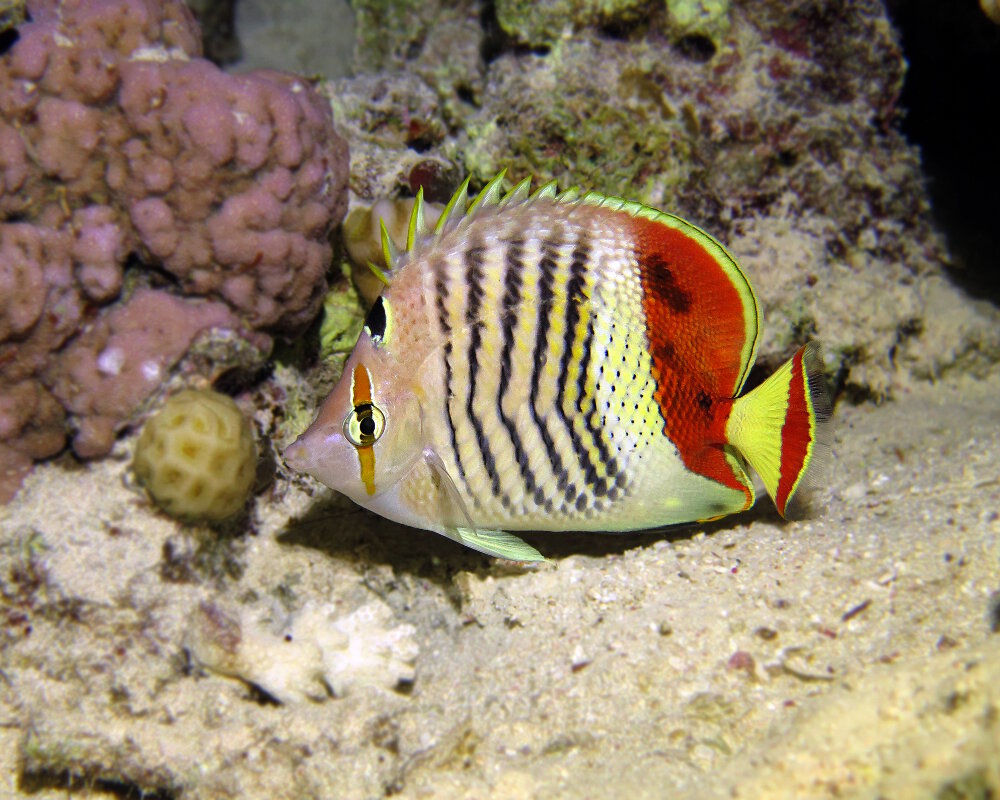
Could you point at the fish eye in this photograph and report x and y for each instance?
(364, 425)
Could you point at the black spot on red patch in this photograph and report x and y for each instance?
(664, 284)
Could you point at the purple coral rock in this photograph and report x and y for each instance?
(115, 364)
(118, 140)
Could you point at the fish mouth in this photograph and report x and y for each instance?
(297, 456)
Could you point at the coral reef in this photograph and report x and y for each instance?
(773, 126)
(302, 36)
(197, 457)
(12, 14)
(756, 658)
(991, 8)
(118, 141)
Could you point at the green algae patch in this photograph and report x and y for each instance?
(708, 18)
(536, 24)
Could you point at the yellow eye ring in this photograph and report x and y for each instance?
(364, 425)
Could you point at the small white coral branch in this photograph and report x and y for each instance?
(313, 653)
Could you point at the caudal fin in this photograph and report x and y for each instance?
(779, 427)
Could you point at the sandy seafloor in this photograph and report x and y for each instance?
(852, 654)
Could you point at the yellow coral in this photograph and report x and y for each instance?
(197, 456)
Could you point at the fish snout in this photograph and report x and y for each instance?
(298, 456)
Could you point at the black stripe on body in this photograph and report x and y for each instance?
(601, 487)
(509, 308)
(474, 257)
(546, 268)
(441, 289)
(575, 297)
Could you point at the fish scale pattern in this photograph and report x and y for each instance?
(549, 400)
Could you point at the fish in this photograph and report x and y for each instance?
(562, 361)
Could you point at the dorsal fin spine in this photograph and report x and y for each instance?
(378, 273)
(416, 226)
(547, 191)
(455, 208)
(518, 194)
(389, 251)
(570, 195)
(490, 195)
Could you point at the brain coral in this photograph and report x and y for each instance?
(120, 145)
(197, 456)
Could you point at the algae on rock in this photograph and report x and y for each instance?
(537, 24)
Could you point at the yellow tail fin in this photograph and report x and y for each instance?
(779, 427)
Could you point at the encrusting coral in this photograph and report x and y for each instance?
(117, 140)
(197, 456)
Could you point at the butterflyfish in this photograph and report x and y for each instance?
(561, 361)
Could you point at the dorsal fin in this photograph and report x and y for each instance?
(547, 191)
(518, 194)
(490, 195)
(416, 227)
(570, 195)
(455, 209)
(611, 203)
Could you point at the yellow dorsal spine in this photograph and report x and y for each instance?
(490, 195)
(378, 273)
(416, 227)
(547, 191)
(455, 208)
(518, 194)
(389, 251)
(570, 195)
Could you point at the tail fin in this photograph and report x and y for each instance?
(780, 426)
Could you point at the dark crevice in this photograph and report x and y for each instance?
(70, 782)
(696, 47)
(953, 53)
(495, 40)
(631, 27)
(8, 39)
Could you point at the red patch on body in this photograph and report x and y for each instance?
(696, 329)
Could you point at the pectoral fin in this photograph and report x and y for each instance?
(499, 544)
